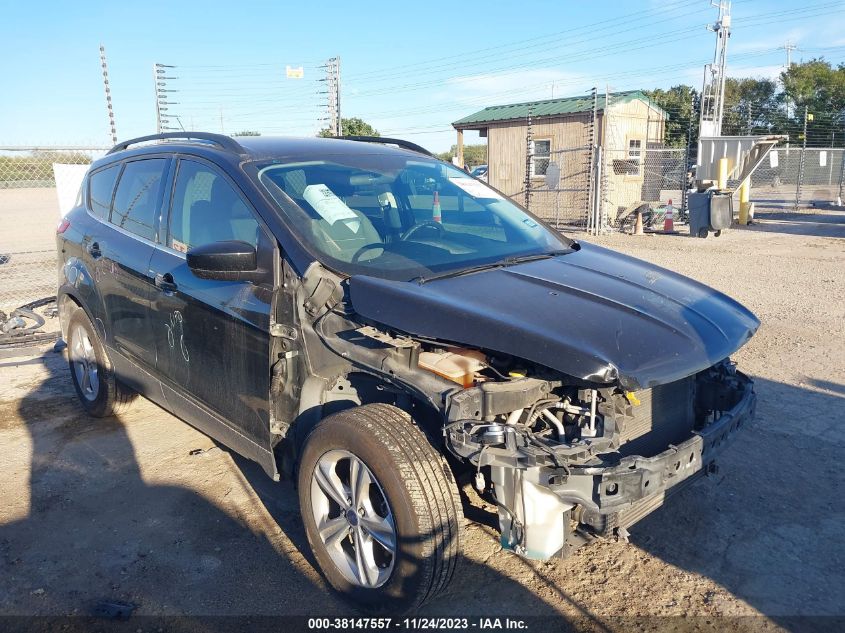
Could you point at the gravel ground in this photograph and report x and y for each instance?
(145, 509)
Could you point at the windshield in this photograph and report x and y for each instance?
(399, 217)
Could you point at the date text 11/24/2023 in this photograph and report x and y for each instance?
(417, 623)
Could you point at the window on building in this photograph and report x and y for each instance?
(100, 190)
(635, 151)
(631, 165)
(207, 209)
(542, 156)
(136, 198)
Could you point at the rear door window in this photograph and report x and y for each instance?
(100, 190)
(206, 208)
(136, 200)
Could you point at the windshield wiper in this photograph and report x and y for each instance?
(501, 263)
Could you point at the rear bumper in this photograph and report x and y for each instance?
(626, 492)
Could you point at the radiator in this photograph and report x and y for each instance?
(665, 415)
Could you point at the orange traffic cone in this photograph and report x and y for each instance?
(435, 208)
(668, 219)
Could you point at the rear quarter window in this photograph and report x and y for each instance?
(137, 197)
(100, 190)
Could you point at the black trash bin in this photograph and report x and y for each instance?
(710, 211)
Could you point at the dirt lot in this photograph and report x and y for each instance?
(147, 510)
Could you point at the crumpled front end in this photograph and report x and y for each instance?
(568, 465)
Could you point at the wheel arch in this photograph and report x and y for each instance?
(321, 397)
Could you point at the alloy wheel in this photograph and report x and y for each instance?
(84, 362)
(353, 518)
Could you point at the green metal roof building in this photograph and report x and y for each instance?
(566, 131)
(547, 108)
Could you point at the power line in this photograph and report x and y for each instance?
(586, 54)
(452, 105)
(497, 52)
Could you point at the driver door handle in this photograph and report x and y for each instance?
(165, 282)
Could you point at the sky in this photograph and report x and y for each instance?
(408, 68)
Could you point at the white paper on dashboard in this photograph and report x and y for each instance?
(327, 204)
(475, 188)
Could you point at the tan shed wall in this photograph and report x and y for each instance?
(506, 147)
(626, 122)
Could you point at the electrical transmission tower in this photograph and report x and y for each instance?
(163, 102)
(332, 92)
(713, 90)
(108, 93)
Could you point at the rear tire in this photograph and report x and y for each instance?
(420, 504)
(93, 377)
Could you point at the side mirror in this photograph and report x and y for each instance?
(226, 261)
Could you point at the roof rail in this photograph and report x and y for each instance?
(389, 141)
(225, 142)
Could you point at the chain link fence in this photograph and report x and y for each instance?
(36, 186)
(793, 178)
(566, 205)
(646, 179)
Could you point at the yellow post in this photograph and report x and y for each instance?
(744, 195)
(722, 182)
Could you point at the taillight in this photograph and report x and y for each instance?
(63, 226)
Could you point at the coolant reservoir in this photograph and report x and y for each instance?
(459, 365)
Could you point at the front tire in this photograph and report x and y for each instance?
(93, 378)
(380, 507)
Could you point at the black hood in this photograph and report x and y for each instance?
(593, 314)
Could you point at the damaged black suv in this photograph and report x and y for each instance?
(382, 326)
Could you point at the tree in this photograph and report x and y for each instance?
(752, 107)
(758, 106)
(473, 154)
(815, 84)
(351, 127)
(679, 104)
(820, 88)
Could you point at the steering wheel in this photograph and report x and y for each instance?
(430, 224)
(365, 248)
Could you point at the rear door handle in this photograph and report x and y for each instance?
(94, 250)
(165, 282)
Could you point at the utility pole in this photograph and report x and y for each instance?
(108, 93)
(713, 90)
(788, 47)
(337, 96)
(160, 80)
(332, 92)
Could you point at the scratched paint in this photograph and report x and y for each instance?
(176, 333)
